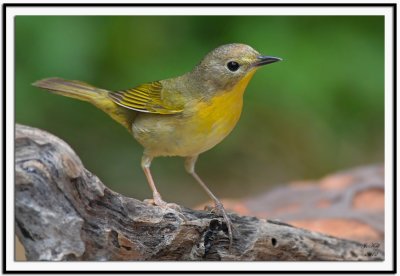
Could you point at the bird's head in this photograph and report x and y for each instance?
(228, 65)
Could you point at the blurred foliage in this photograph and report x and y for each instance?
(318, 111)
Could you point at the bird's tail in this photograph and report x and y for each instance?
(86, 92)
(71, 88)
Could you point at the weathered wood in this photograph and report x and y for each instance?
(64, 212)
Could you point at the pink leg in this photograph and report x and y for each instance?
(189, 165)
(157, 200)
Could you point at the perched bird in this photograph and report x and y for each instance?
(183, 116)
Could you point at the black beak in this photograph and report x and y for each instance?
(262, 60)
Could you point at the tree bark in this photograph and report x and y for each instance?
(64, 212)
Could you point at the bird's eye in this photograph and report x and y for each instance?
(233, 66)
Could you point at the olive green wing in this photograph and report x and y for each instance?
(149, 98)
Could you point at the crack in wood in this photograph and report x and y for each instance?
(75, 217)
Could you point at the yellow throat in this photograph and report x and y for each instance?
(220, 115)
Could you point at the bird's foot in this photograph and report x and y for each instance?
(166, 207)
(162, 204)
(220, 210)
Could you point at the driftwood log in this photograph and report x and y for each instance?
(64, 212)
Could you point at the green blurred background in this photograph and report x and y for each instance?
(318, 111)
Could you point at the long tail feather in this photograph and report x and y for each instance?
(86, 92)
(71, 88)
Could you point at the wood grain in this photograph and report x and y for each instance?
(64, 212)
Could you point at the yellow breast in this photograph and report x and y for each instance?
(217, 118)
(206, 124)
(223, 111)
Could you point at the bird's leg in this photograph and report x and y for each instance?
(190, 163)
(157, 200)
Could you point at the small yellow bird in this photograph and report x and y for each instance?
(182, 116)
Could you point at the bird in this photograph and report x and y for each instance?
(182, 116)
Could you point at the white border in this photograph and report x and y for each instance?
(198, 266)
(273, 11)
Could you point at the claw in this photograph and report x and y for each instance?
(220, 210)
(157, 201)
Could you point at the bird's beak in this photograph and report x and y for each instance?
(262, 60)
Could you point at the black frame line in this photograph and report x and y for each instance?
(394, 10)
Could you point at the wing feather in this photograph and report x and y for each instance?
(145, 98)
